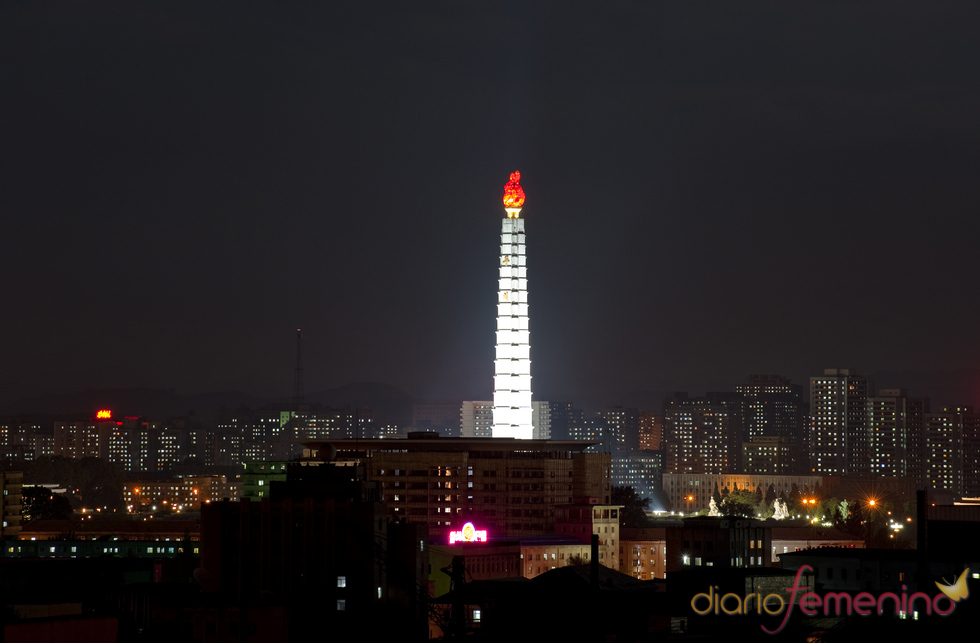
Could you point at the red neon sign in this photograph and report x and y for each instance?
(103, 414)
(513, 192)
(468, 534)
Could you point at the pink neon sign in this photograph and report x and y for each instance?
(468, 534)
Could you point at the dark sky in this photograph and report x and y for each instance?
(713, 189)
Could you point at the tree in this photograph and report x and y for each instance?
(91, 482)
(758, 494)
(633, 513)
(909, 510)
(795, 501)
(763, 510)
(853, 524)
(716, 495)
(740, 502)
(794, 495)
(771, 495)
(41, 504)
(828, 508)
(100, 484)
(577, 560)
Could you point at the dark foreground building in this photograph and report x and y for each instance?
(321, 549)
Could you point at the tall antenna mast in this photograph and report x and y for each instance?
(298, 379)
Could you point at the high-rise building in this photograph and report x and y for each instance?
(86, 439)
(773, 407)
(971, 452)
(133, 443)
(512, 412)
(896, 429)
(17, 438)
(597, 430)
(642, 470)
(761, 384)
(564, 416)
(541, 420)
(771, 455)
(703, 435)
(840, 436)
(951, 442)
(627, 423)
(272, 433)
(476, 419)
(651, 431)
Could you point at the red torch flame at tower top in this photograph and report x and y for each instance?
(513, 192)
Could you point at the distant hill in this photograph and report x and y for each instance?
(389, 404)
(155, 404)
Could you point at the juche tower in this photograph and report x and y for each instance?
(512, 411)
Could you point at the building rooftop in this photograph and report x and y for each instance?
(549, 539)
(126, 529)
(644, 533)
(910, 555)
(811, 533)
(581, 575)
(447, 444)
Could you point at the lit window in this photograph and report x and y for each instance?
(341, 581)
(341, 604)
(476, 616)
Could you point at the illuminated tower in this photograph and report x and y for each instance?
(512, 413)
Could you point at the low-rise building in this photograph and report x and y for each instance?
(802, 538)
(258, 477)
(691, 492)
(643, 552)
(869, 570)
(80, 528)
(718, 542)
(178, 494)
(11, 503)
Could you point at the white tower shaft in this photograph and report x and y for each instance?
(512, 413)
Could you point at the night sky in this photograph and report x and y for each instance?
(713, 189)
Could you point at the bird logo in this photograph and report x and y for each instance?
(958, 590)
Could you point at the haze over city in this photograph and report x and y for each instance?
(739, 189)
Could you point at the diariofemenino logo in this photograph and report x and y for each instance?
(842, 603)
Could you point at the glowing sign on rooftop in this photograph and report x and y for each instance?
(468, 534)
(513, 192)
(103, 414)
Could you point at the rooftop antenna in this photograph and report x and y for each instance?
(298, 378)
